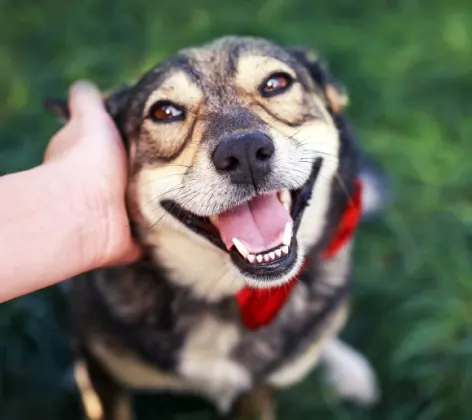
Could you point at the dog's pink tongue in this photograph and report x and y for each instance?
(259, 224)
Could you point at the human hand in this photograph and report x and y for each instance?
(90, 155)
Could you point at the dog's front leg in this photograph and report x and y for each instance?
(102, 397)
(349, 373)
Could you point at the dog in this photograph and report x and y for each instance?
(246, 186)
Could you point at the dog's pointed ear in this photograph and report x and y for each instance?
(115, 103)
(335, 94)
(58, 107)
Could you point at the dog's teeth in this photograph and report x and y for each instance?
(240, 247)
(259, 258)
(287, 238)
(214, 220)
(266, 257)
(285, 198)
(272, 255)
(278, 253)
(285, 249)
(251, 258)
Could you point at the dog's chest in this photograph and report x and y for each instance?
(217, 358)
(204, 364)
(170, 342)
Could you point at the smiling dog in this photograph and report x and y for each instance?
(245, 189)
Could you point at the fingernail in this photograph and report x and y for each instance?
(83, 86)
(84, 99)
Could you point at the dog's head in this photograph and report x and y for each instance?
(233, 149)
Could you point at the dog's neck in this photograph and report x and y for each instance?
(195, 265)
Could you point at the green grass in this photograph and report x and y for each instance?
(408, 68)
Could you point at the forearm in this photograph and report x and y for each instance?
(46, 234)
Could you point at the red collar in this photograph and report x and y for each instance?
(259, 306)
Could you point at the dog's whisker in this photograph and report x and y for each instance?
(343, 187)
(175, 188)
(160, 178)
(165, 213)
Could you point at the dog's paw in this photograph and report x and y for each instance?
(219, 380)
(350, 374)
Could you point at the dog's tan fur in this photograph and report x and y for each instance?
(217, 358)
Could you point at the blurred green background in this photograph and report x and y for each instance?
(408, 67)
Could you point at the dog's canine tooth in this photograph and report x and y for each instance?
(285, 249)
(251, 258)
(240, 247)
(214, 220)
(285, 198)
(272, 255)
(259, 258)
(278, 252)
(287, 238)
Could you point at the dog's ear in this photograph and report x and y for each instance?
(335, 94)
(59, 108)
(115, 103)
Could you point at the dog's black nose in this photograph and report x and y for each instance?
(245, 157)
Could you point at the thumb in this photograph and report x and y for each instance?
(85, 100)
(88, 108)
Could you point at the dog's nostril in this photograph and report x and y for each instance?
(264, 153)
(244, 156)
(229, 164)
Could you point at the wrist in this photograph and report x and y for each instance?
(47, 232)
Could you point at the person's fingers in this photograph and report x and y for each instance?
(85, 100)
(88, 110)
(134, 253)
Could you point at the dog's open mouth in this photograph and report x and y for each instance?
(260, 234)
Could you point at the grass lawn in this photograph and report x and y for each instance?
(408, 67)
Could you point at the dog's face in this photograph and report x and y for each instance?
(227, 142)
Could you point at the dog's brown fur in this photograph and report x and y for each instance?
(170, 321)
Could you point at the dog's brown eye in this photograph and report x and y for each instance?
(275, 84)
(165, 111)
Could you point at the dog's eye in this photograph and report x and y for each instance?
(165, 111)
(275, 84)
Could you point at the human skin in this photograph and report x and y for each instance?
(68, 215)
